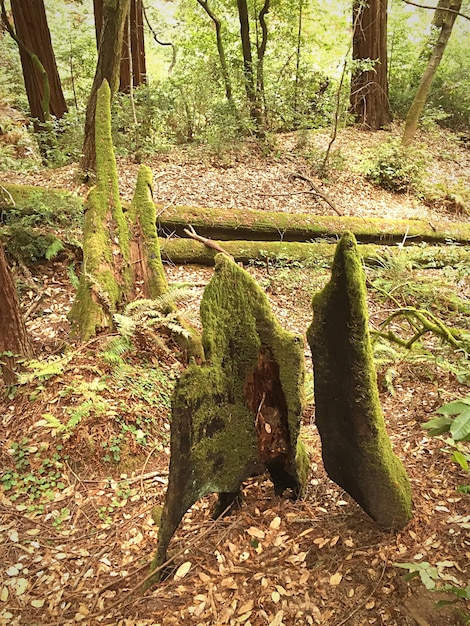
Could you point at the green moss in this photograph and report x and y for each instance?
(252, 366)
(105, 281)
(356, 449)
(222, 223)
(142, 216)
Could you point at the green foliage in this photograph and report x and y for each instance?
(396, 168)
(432, 575)
(32, 476)
(454, 418)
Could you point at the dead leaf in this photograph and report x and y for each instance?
(256, 532)
(277, 621)
(182, 570)
(336, 579)
(275, 523)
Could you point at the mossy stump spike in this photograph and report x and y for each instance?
(239, 413)
(105, 280)
(146, 259)
(356, 450)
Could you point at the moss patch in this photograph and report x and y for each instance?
(240, 412)
(356, 449)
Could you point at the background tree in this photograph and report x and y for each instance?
(133, 55)
(14, 339)
(441, 29)
(107, 68)
(41, 78)
(369, 87)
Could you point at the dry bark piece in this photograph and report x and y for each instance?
(356, 450)
(239, 413)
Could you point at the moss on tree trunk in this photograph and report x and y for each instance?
(181, 251)
(105, 280)
(239, 413)
(356, 450)
(146, 259)
(256, 225)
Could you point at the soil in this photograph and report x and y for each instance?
(80, 552)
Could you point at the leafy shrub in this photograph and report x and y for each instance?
(396, 168)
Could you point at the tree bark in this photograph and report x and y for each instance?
(42, 82)
(369, 88)
(356, 450)
(272, 253)
(14, 339)
(257, 225)
(248, 69)
(105, 281)
(107, 68)
(136, 17)
(221, 51)
(442, 25)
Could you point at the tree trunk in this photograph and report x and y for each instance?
(258, 225)
(44, 92)
(442, 25)
(248, 70)
(369, 88)
(139, 71)
(105, 281)
(14, 341)
(187, 251)
(107, 68)
(221, 51)
(356, 450)
(261, 51)
(240, 412)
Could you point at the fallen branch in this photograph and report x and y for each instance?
(209, 243)
(428, 323)
(314, 189)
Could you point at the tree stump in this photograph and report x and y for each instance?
(239, 413)
(356, 450)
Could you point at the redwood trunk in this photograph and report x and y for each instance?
(369, 88)
(13, 336)
(33, 32)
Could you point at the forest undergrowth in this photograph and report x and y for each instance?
(85, 432)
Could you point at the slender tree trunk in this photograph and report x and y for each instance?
(41, 77)
(369, 88)
(261, 51)
(248, 72)
(108, 66)
(13, 336)
(221, 51)
(442, 25)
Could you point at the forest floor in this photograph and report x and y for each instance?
(79, 502)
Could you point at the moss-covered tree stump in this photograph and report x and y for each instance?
(239, 413)
(356, 450)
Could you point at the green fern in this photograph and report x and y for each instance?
(53, 249)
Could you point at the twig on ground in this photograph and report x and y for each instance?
(316, 190)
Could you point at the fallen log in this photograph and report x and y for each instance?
(182, 251)
(256, 225)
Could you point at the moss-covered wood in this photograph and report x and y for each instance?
(146, 262)
(182, 251)
(239, 413)
(356, 450)
(105, 280)
(256, 225)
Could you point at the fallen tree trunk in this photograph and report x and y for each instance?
(182, 251)
(256, 225)
(250, 225)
